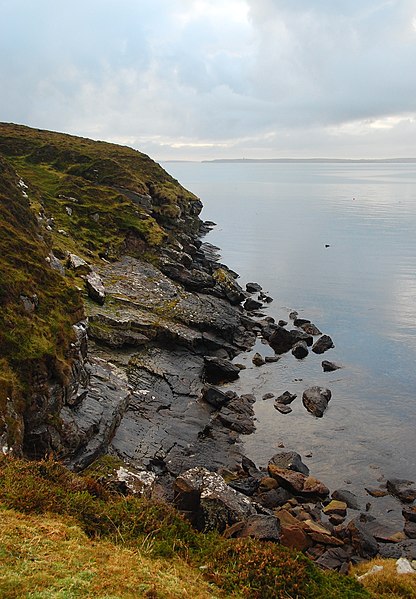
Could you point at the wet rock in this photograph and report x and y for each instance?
(349, 498)
(297, 482)
(402, 489)
(251, 304)
(378, 492)
(215, 397)
(281, 340)
(293, 315)
(363, 543)
(289, 460)
(300, 350)
(272, 359)
(310, 329)
(209, 501)
(298, 322)
(258, 359)
(315, 400)
(329, 366)
(323, 344)
(286, 398)
(264, 528)
(219, 370)
(282, 408)
(282, 323)
(253, 287)
(238, 415)
(95, 288)
(336, 507)
(301, 336)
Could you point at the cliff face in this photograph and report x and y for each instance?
(99, 242)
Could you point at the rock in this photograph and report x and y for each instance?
(286, 398)
(95, 288)
(268, 396)
(333, 559)
(319, 533)
(210, 502)
(349, 498)
(323, 344)
(363, 542)
(253, 287)
(301, 336)
(136, 482)
(78, 264)
(281, 340)
(219, 370)
(336, 507)
(282, 323)
(297, 482)
(264, 528)
(247, 485)
(379, 492)
(251, 304)
(215, 397)
(409, 513)
(329, 366)
(273, 498)
(282, 408)
(271, 359)
(410, 529)
(298, 322)
(292, 536)
(289, 460)
(258, 359)
(55, 263)
(310, 329)
(293, 315)
(315, 400)
(402, 489)
(238, 415)
(29, 303)
(300, 350)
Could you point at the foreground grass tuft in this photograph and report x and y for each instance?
(387, 584)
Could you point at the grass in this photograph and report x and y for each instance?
(60, 529)
(387, 584)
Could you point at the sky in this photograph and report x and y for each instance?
(203, 79)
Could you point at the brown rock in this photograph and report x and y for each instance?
(297, 482)
(294, 537)
(336, 507)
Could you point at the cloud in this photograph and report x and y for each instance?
(206, 78)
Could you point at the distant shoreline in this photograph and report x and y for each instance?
(304, 160)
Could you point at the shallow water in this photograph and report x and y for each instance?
(274, 221)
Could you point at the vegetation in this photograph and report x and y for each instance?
(387, 583)
(65, 535)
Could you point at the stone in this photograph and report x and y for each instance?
(258, 359)
(268, 396)
(289, 460)
(209, 501)
(253, 287)
(409, 513)
(298, 483)
(252, 304)
(282, 323)
(281, 340)
(292, 536)
(293, 315)
(247, 485)
(410, 529)
(336, 507)
(315, 400)
(363, 543)
(273, 498)
(402, 489)
(55, 264)
(349, 498)
(286, 398)
(215, 397)
(298, 322)
(219, 370)
(267, 483)
(378, 492)
(282, 408)
(333, 559)
(329, 366)
(78, 264)
(310, 329)
(262, 527)
(323, 344)
(95, 288)
(238, 415)
(271, 359)
(319, 533)
(300, 350)
(301, 336)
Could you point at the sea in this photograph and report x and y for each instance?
(337, 243)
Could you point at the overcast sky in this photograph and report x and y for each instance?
(195, 79)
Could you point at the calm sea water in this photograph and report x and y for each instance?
(274, 221)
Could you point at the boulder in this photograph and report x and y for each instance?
(247, 485)
(300, 350)
(363, 542)
(273, 498)
(402, 489)
(78, 264)
(209, 501)
(298, 483)
(252, 304)
(258, 359)
(336, 507)
(215, 397)
(95, 287)
(281, 340)
(268, 396)
(289, 460)
(310, 329)
(262, 527)
(333, 559)
(329, 366)
(301, 336)
(298, 322)
(349, 498)
(323, 344)
(219, 370)
(315, 400)
(271, 359)
(286, 398)
(253, 287)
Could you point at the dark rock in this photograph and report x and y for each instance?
(286, 398)
(253, 287)
(282, 408)
(289, 460)
(238, 415)
(329, 366)
(315, 400)
(410, 529)
(323, 344)
(300, 350)
(251, 304)
(293, 315)
(281, 340)
(409, 513)
(282, 323)
(215, 397)
(273, 498)
(268, 396)
(301, 336)
(271, 359)
(95, 288)
(258, 359)
(390, 550)
(349, 498)
(310, 329)
(402, 489)
(264, 528)
(333, 559)
(219, 370)
(363, 543)
(247, 485)
(298, 322)
(210, 502)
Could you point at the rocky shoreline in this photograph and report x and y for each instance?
(161, 345)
